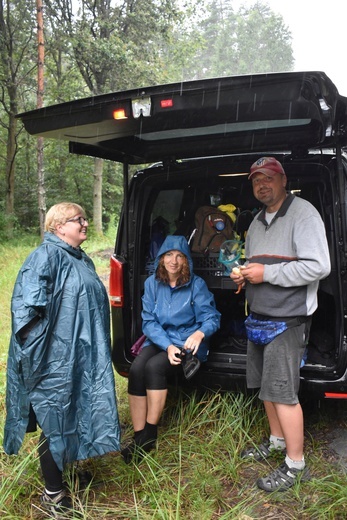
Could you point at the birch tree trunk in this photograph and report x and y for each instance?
(40, 92)
(97, 195)
(11, 150)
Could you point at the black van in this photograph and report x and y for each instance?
(198, 140)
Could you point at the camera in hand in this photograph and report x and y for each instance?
(190, 363)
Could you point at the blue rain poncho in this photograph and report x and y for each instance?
(63, 368)
(170, 316)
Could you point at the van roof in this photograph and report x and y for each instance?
(289, 111)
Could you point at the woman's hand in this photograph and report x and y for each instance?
(171, 354)
(193, 341)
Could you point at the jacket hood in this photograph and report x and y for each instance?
(177, 243)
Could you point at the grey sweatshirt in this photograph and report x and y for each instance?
(294, 251)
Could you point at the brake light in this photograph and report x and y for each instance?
(166, 103)
(335, 395)
(119, 114)
(116, 292)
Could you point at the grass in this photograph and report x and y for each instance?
(196, 472)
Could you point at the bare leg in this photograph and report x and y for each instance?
(286, 420)
(145, 414)
(275, 427)
(156, 400)
(148, 408)
(138, 411)
(290, 417)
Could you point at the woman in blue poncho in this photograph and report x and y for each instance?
(178, 313)
(59, 370)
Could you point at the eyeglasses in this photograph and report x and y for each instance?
(262, 179)
(81, 220)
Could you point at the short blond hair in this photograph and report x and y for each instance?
(60, 213)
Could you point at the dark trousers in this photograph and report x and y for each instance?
(52, 475)
(150, 371)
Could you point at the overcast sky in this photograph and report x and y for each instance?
(319, 31)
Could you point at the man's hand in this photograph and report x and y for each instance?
(237, 276)
(253, 273)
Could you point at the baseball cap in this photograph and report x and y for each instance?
(267, 165)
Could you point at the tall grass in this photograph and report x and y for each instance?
(194, 474)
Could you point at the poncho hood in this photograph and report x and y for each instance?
(50, 238)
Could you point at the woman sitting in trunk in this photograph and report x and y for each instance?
(179, 315)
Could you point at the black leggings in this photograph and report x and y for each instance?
(150, 370)
(52, 475)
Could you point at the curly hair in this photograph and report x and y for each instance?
(162, 274)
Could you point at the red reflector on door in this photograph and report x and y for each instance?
(165, 103)
(116, 283)
(335, 395)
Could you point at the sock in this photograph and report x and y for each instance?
(52, 494)
(149, 433)
(277, 443)
(137, 436)
(295, 464)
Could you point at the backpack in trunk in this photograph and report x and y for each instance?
(212, 228)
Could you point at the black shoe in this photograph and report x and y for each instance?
(80, 479)
(261, 452)
(135, 452)
(283, 478)
(84, 479)
(128, 452)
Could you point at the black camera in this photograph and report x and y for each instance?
(190, 363)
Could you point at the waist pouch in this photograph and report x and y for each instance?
(263, 331)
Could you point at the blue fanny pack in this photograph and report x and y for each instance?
(263, 331)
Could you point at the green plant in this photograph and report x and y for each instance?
(196, 471)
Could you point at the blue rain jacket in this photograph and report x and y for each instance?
(170, 316)
(63, 368)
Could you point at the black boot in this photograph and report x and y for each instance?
(144, 441)
(128, 452)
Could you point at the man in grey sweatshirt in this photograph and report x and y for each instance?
(287, 254)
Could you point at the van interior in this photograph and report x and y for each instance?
(169, 203)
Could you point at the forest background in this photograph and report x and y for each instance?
(83, 48)
(93, 47)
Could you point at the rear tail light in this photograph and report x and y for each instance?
(335, 395)
(116, 283)
(119, 114)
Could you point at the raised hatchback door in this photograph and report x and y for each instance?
(238, 114)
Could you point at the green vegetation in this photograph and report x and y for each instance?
(196, 472)
(93, 47)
